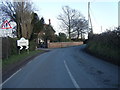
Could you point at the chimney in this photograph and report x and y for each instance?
(49, 22)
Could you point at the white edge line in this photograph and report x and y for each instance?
(29, 62)
(71, 76)
(10, 77)
(13, 75)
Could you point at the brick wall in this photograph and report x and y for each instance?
(63, 44)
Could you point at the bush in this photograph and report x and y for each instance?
(9, 47)
(32, 45)
(106, 46)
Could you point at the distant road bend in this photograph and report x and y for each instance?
(65, 68)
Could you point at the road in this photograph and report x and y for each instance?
(65, 68)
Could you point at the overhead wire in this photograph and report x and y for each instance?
(94, 18)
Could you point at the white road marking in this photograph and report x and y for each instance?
(29, 62)
(71, 76)
(10, 78)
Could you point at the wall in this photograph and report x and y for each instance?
(63, 44)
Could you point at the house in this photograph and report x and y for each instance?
(45, 35)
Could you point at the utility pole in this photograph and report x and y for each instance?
(89, 20)
(118, 13)
(88, 14)
(101, 29)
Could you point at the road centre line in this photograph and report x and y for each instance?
(71, 76)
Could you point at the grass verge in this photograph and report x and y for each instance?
(18, 57)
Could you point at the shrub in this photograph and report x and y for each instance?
(106, 45)
(32, 45)
(9, 47)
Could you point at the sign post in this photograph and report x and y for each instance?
(23, 42)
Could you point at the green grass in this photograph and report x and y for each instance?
(18, 57)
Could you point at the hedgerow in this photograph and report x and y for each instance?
(106, 45)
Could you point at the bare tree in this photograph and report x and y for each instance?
(21, 13)
(80, 27)
(67, 17)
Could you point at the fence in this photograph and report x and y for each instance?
(0, 48)
(8, 47)
(63, 44)
(5, 48)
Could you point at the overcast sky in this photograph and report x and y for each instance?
(103, 13)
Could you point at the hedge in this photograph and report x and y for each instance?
(106, 46)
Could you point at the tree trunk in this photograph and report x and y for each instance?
(69, 36)
(69, 29)
(81, 35)
(78, 34)
(18, 30)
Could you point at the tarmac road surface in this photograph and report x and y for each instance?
(65, 68)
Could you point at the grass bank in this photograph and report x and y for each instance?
(18, 57)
